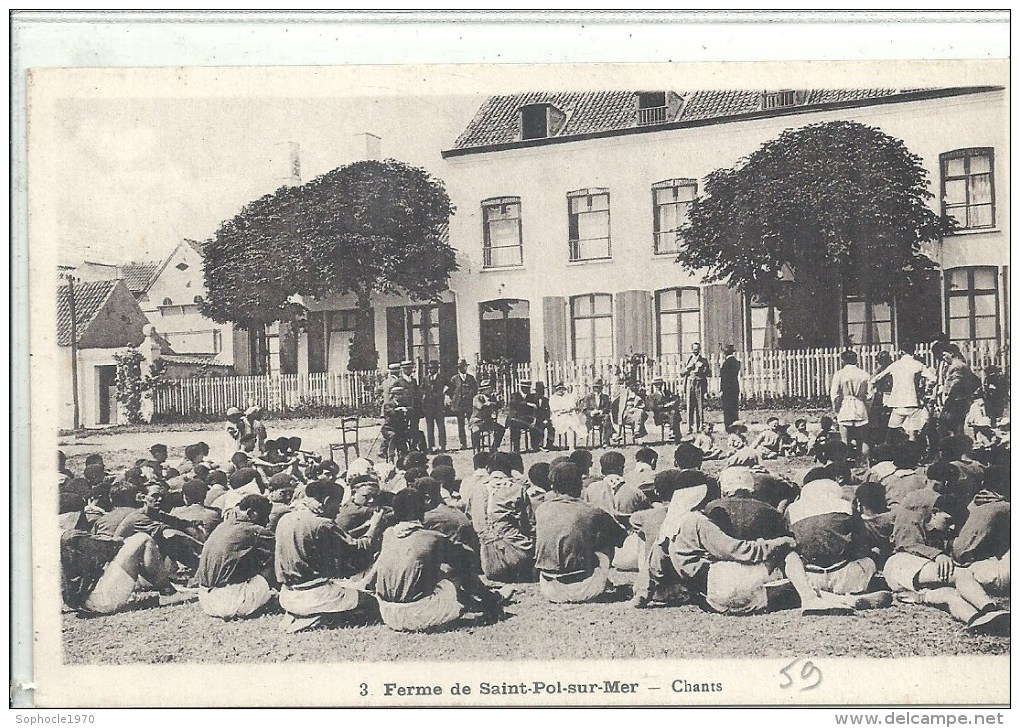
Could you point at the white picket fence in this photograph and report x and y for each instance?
(800, 374)
(277, 393)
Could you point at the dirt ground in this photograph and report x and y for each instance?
(536, 629)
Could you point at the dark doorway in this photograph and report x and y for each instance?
(107, 380)
(505, 328)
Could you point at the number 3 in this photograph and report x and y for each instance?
(364, 689)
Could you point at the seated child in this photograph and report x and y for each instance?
(770, 442)
(801, 439)
(706, 443)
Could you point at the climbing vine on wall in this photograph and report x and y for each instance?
(132, 384)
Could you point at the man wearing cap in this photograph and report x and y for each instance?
(500, 511)
(433, 394)
(484, 409)
(664, 406)
(413, 402)
(237, 427)
(629, 409)
(596, 407)
(574, 541)
(396, 417)
(729, 386)
(522, 415)
(462, 389)
(695, 372)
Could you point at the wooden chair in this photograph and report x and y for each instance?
(484, 441)
(349, 439)
(596, 427)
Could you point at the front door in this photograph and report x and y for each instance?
(107, 400)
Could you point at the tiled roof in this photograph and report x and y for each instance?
(497, 122)
(138, 276)
(88, 301)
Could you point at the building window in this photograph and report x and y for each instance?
(591, 318)
(423, 333)
(778, 99)
(501, 230)
(867, 323)
(588, 224)
(652, 107)
(968, 187)
(671, 200)
(679, 315)
(972, 297)
(535, 121)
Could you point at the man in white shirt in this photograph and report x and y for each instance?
(908, 411)
(849, 394)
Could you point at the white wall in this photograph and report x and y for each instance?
(629, 165)
(181, 287)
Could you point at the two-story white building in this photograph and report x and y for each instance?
(568, 206)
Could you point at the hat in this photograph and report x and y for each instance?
(658, 380)
(728, 349)
(433, 364)
(393, 366)
(818, 498)
(233, 411)
(484, 382)
(734, 478)
(524, 383)
(406, 363)
(462, 361)
(598, 383)
(252, 409)
(736, 426)
(560, 385)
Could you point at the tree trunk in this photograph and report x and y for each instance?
(363, 355)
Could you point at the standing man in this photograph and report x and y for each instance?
(729, 383)
(412, 392)
(434, 403)
(695, 373)
(958, 390)
(849, 394)
(908, 411)
(462, 389)
(237, 428)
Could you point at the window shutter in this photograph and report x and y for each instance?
(316, 342)
(396, 334)
(723, 318)
(632, 323)
(448, 337)
(365, 331)
(557, 328)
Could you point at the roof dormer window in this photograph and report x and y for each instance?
(778, 99)
(656, 107)
(541, 121)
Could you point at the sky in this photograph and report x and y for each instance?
(141, 174)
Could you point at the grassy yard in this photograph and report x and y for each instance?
(536, 629)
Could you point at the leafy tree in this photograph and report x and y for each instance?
(364, 229)
(840, 204)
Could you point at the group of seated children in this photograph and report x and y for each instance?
(419, 547)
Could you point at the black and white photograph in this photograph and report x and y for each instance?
(587, 386)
